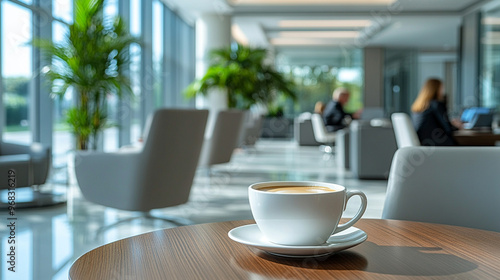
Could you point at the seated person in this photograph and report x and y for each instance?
(319, 108)
(334, 116)
(430, 116)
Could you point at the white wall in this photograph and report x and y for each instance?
(433, 65)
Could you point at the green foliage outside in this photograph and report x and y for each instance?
(15, 101)
(318, 84)
(247, 78)
(90, 59)
(16, 85)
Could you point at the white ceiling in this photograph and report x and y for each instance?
(421, 24)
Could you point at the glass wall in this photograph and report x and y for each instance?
(135, 72)
(110, 137)
(400, 80)
(167, 51)
(317, 77)
(158, 31)
(62, 138)
(17, 64)
(490, 52)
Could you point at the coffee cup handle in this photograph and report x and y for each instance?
(358, 215)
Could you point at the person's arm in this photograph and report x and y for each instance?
(441, 114)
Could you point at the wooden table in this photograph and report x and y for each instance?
(476, 137)
(393, 250)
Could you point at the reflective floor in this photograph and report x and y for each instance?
(50, 239)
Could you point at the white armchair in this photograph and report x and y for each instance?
(406, 136)
(446, 185)
(321, 134)
(157, 175)
(220, 143)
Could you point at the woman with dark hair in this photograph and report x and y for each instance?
(430, 116)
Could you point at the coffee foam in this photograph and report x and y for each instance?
(297, 189)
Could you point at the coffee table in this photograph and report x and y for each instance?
(394, 250)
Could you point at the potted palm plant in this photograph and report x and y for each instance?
(91, 60)
(243, 73)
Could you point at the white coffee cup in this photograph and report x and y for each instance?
(301, 219)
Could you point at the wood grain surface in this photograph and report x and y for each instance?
(393, 250)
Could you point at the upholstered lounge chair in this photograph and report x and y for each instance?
(446, 185)
(157, 175)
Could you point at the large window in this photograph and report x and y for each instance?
(158, 39)
(17, 66)
(160, 67)
(135, 72)
(62, 139)
(317, 76)
(490, 76)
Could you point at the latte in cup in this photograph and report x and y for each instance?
(297, 189)
(301, 213)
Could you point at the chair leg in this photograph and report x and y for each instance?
(33, 196)
(178, 221)
(327, 149)
(171, 219)
(107, 227)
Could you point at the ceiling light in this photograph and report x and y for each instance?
(308, 42)
(324, 23)
(319, 34)
(491, 21)
(312, 2)
(238, 35)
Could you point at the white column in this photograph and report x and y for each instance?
(213, 31)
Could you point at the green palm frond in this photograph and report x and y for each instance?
(91, 60)
(242, 72)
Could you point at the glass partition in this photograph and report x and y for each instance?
(490, 52)
(400, 80)
(16, 66)
(317, 77)
(172, 49)
(158, 32)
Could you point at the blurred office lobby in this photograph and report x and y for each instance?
(382, 51)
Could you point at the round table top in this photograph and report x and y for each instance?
(394, 250)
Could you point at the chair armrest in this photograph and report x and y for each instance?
(21, 164)
(14, 149)
(40, 158)
(35, 150)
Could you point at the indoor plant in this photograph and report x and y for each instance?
(243, 73)
(90, 59)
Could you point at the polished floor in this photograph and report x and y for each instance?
(50, 239)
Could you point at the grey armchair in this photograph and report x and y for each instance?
(446, 185)
(157, 175)
(303, 130)
(342, 149)
(251, 130)
(372, 146)
(31, 162)
(218, 147)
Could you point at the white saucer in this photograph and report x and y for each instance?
(250, 235)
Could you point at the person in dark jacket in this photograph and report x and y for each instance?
(334, 116)
(430, 116)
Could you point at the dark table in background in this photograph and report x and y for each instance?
(476, 137)
(393, 250)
